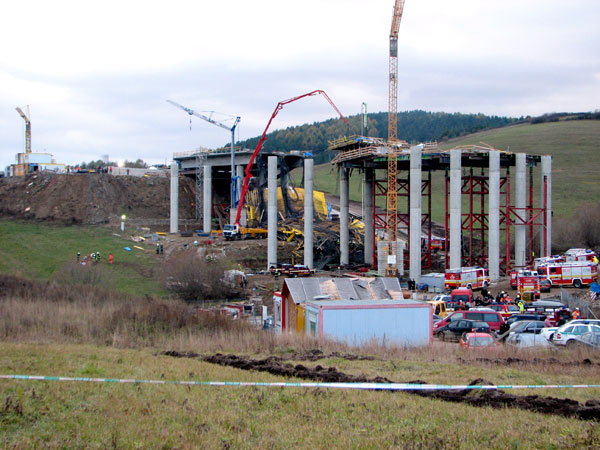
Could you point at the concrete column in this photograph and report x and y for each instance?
(415, 213)
(174, 228)
(207, 201)
(494, 216)
(272, 212)
(308, 212)
(344, 215)
(455, 209)
(547, 172)
(368, 214)
(520, 204)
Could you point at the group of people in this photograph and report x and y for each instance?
(502, 298)
(94, 257)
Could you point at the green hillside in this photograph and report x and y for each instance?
(48, 252)
(413, 126)
(574, 146)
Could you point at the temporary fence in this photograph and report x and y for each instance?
(360, 386)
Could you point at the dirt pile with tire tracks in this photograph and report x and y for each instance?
(496, 398)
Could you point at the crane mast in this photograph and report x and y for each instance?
(392, 193)
(27, 132)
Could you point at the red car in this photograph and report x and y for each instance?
(477, 340)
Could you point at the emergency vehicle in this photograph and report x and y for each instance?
(579, 254)
(467, 277)
(576, 274)
(528, 285)
(436, 243)
(537, 262)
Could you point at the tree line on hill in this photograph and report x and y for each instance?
(413, 127)
(139, 163)
(555, 117)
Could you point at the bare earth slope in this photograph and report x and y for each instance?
(91, 198)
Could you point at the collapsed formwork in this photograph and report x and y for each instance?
(482, 217)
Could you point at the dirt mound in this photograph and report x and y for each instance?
(475, 397)
(274, 366)
(91, 198)
(541, 361)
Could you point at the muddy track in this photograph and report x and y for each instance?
(517, 361)
(496, 399)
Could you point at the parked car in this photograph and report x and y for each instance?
(492, 318)
(525, 316)
(470, 341)
(545, 285)
(526, 340)
(590, 340)
(441, 298)
(570, 333)
(436, 319)
(455, 329)
(548, 333)
(527, 326)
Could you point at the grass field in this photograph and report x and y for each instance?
(53, 330)
(44, 251)
(93, 415)
(574, 146)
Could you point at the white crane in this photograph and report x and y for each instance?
(27, 133)
(191, 112)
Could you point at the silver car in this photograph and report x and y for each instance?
(527, 340)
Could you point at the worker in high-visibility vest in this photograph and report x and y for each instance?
(521, 306)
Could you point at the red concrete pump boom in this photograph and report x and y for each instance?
(248, 172)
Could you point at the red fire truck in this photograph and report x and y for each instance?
(468, 277)
(576, 274)
(436, 243)
(528, 285)
(579, 254)
(537, 262)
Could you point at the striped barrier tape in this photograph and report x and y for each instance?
(367, 386)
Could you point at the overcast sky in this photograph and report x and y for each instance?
(96, 74)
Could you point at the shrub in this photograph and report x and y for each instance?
(582, 229)
(193, 278)
(89, 275)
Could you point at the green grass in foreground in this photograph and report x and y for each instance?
(41, 251)
(75, 415)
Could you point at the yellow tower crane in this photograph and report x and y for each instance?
(393, 144)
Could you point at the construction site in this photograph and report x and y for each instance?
(242, 302)
(492, 217)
